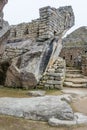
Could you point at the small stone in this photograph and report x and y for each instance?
(56, 122)
(36, 93)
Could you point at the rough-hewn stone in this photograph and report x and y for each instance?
(37, 108)
(52, 78)
(2, 4)
(78, 120)
(33, 47)
(74, 46)
(4, 33)
(84, 64)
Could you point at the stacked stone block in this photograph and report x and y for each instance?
(52, 22)
(54, 77)
(84, 64)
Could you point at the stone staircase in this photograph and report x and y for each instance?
(74, 78)
(54, 76)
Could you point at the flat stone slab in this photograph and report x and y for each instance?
(55, 74)
(54, 82)
(73, 85)
(37, 93)
(37, 108)
(80, 91)
(79, 118)
(76, 80)
(74, 75)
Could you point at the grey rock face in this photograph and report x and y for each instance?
(35, 46)
(4, 27)
(2, 4)
(38, 108)
(79, 119)
(76, 38)
(4, 33)
(54, 76)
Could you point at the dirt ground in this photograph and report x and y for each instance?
(81, 105)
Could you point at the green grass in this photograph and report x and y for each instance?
(10, 92)
(53, 92)
(20, 93)
(12, 123)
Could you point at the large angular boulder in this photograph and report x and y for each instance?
(37, 108)
(33, 47)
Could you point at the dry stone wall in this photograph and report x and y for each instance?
(34, 47)
(52, 22)
(74, 46)
(73, 55)
(4, 27)
(54, 77)
(84, 64)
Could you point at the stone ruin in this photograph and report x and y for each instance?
(74, 49)
(33, 48)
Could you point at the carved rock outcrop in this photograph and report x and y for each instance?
(3, 26)
(4, 32)
(33, 47)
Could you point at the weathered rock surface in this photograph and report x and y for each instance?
(74, 49)
(78, 120)
(77, 37)
(54, 76)
(38, 108)
(32, 47)
(2, 4)
(74, 78)
(4, 33)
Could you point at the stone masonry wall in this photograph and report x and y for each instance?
(73, 54)
(32, 48)
(2, 4)
(54, 76)
(84, 64)
(52, 22)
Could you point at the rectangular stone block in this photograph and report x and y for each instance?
(55, 74)
(54, 82)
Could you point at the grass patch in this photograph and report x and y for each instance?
(10, 92)
(12, 123)
(53, 92)
(20, 93)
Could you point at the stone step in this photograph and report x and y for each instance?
(70, 84)
(74, 76)
(55, 74)
(73, 71)
(70, 68)
(76, 80)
